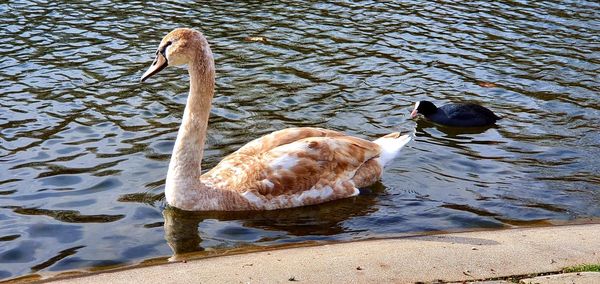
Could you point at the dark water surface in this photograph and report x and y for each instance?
(84, 147)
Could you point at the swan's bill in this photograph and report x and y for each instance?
(159, 64)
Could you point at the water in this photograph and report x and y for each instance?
(84, 147)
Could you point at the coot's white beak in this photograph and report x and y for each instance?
(414, 113)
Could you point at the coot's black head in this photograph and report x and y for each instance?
(423, 107)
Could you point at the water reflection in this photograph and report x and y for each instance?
(67, 216)
(183, 235)
(84, 148)
(454, 132)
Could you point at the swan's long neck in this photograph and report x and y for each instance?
(183, 177)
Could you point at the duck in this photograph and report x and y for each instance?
(460, 115)
(287, 168)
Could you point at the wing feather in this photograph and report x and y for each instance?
(293, 167)
(282, 137)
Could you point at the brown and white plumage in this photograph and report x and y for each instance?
(287, 168)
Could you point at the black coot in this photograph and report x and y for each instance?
(463, 115)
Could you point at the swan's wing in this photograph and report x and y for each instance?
(282, 137)
(307, 171)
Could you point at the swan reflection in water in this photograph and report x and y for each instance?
(182, 227)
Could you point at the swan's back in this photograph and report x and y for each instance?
(297, 167)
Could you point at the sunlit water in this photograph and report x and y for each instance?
(84, 147)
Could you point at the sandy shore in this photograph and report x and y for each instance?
(448, 257)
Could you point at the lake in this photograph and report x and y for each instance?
(84, 147)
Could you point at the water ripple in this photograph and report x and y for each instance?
(84, 147)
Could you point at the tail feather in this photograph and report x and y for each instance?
(390, 146)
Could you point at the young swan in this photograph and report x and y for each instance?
(287, 168)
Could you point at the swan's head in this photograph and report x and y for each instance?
(179, 47)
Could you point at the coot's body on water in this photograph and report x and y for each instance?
(462, 115)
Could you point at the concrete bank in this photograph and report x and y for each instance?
(449, 257)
